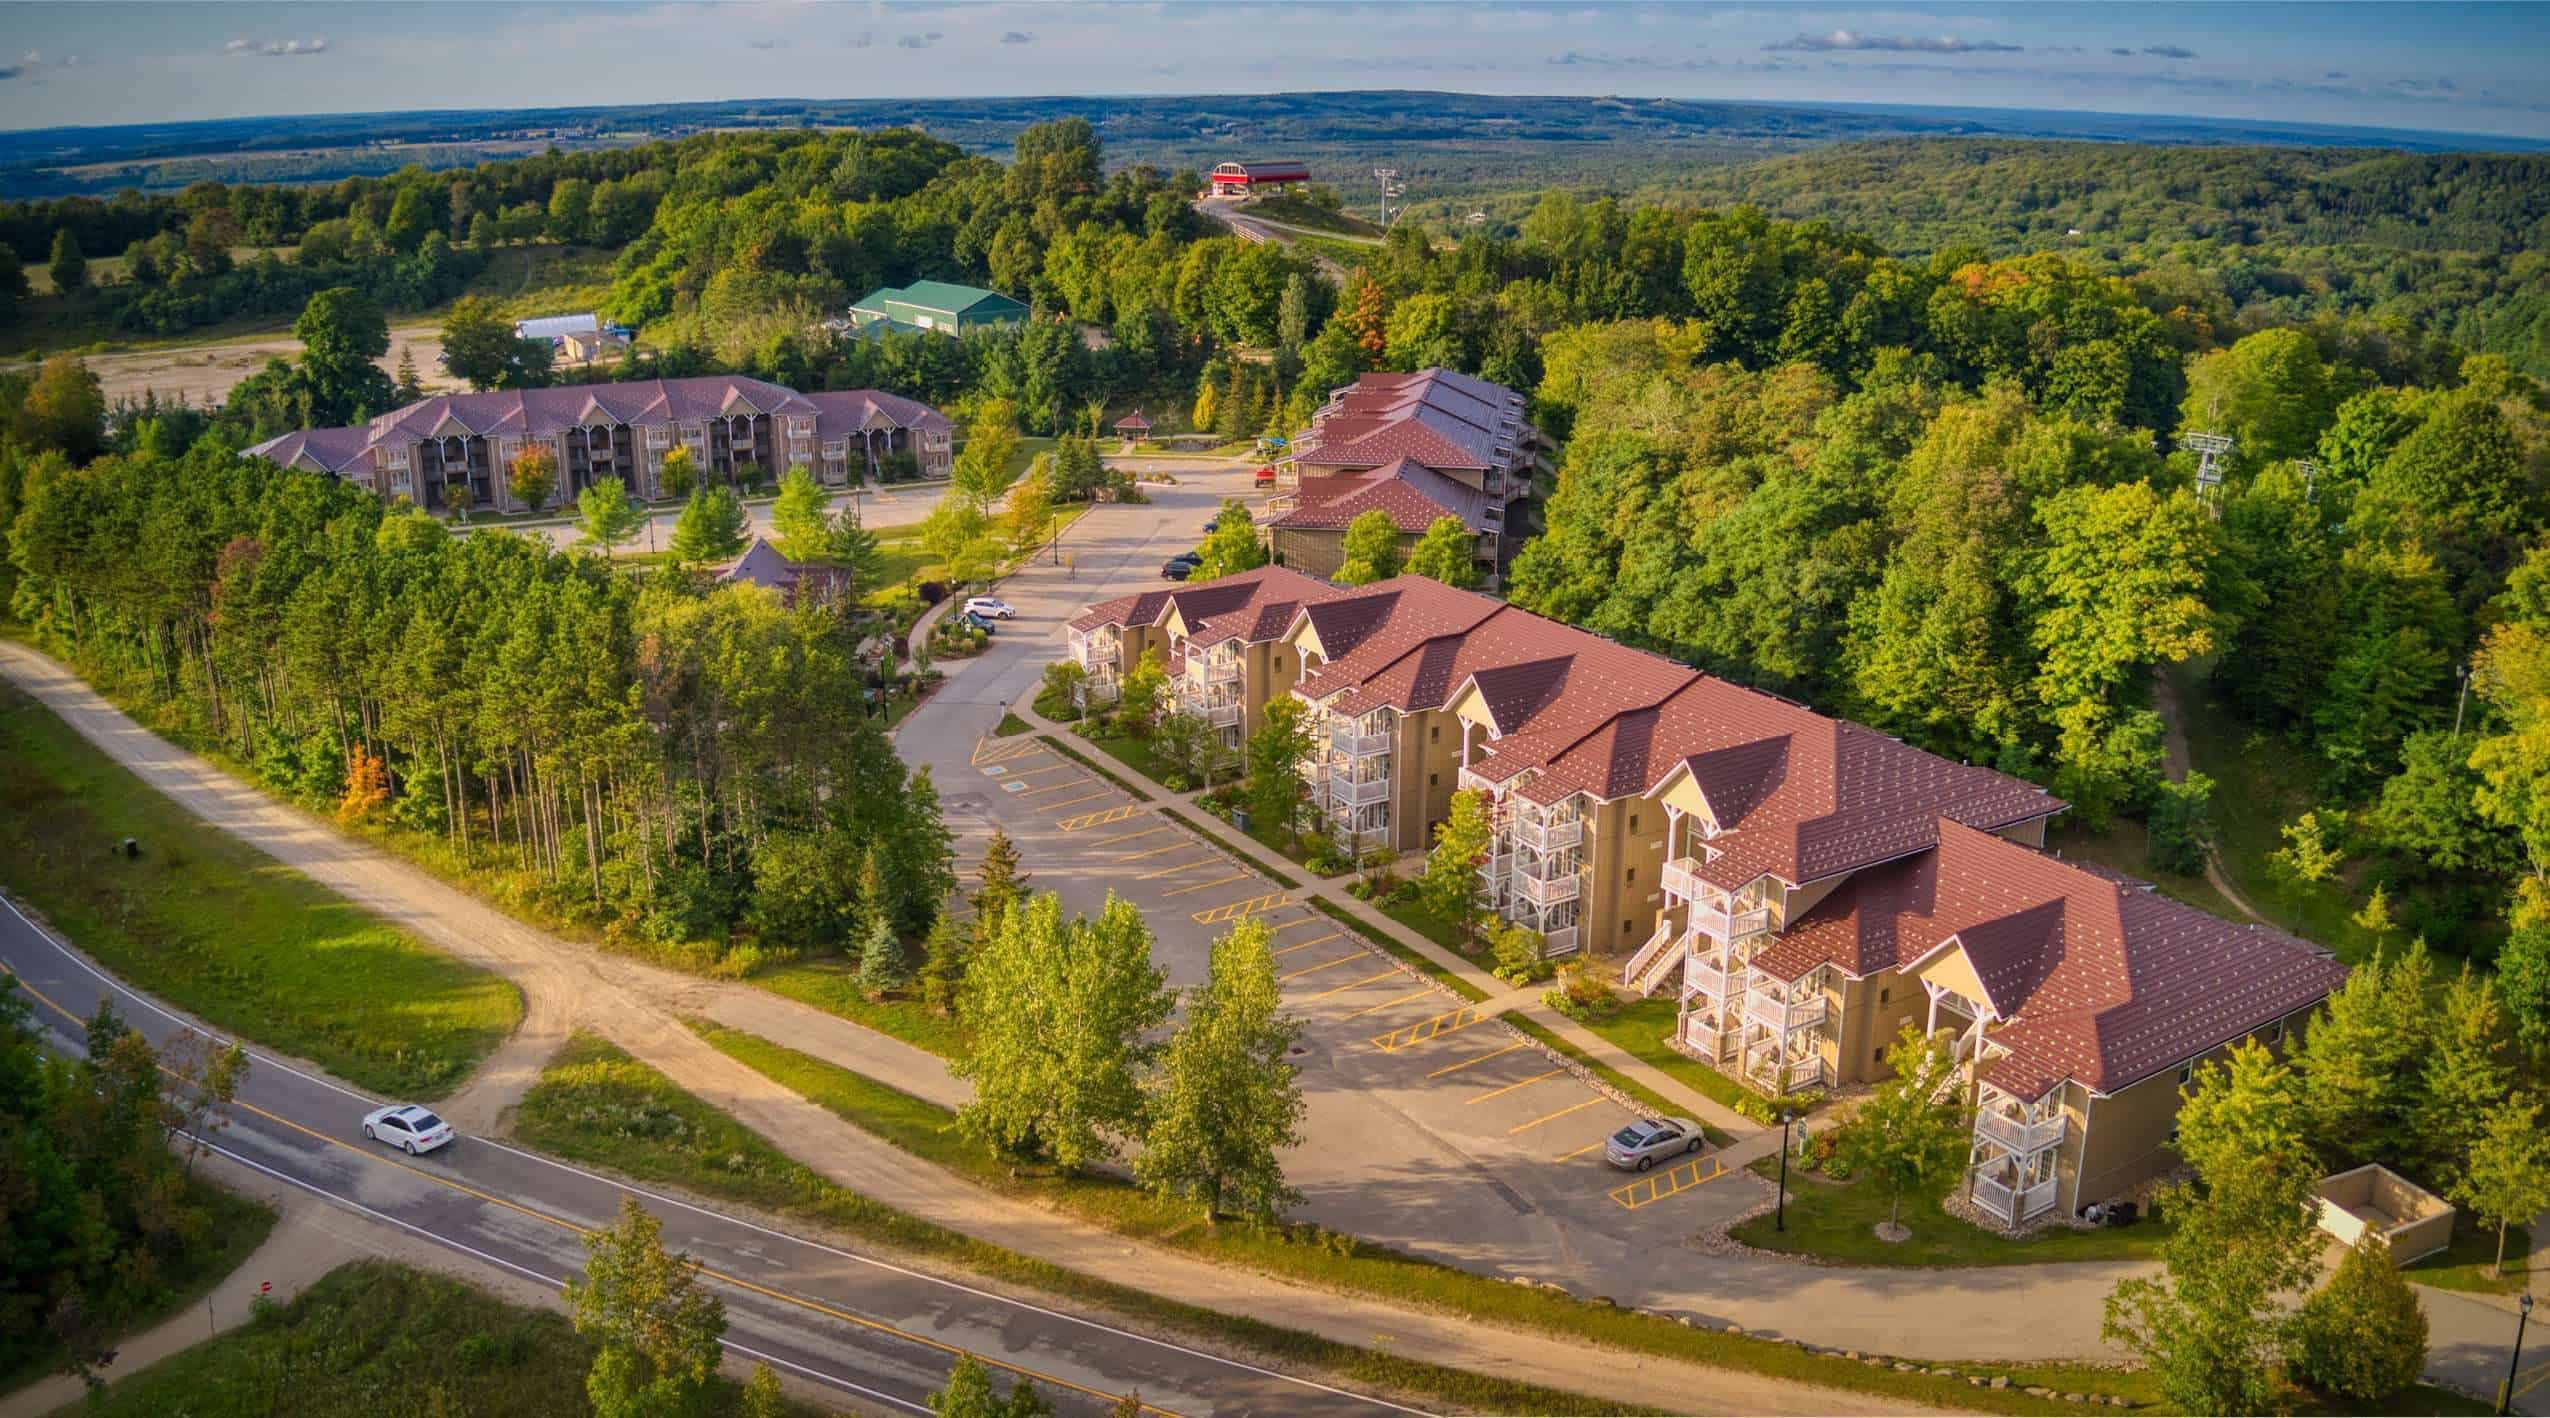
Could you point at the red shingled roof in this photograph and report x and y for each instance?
(1413, 494)
(2101, 979)
(1438, 417)
(1255, 606)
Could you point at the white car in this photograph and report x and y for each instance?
(1636, 1147)
(407, 1127)
(990, 607)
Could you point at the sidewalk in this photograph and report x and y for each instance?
(1497, 997)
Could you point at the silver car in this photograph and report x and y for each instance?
(1636, 1147)
(407, 1127)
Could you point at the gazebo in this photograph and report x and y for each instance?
(1134, 425)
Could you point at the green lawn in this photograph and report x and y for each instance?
(2122, 848)
(2463, 1265)
(1010, 726)
(925, 1130)
(1640, 1026)
(1136, 754)
(223, 931)
(594, 1104)
(832, 986)
(1837, 1221)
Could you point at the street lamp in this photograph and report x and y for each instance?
(2523, 1316)
(1780, 1217)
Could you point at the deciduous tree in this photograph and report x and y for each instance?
(2506, 1181)
(1232, 546)
(69, 265)
(606, 519)
(1227, 1099)
(1450, 886)
(711, 527)
(1912, 1132)
(1445, 554)
(2362, 1336)
(658, 1327)
(534, 475)
(799, 527)
(1370, 549)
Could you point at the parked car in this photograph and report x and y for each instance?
(989, 607)
(407, 1127)
(1191, 558)
(1265, 476)
(1177, 568)
(971, 621)
(1213, 526)
(1636, 1147)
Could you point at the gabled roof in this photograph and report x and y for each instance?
(1413, 495)
(944, 298)
(551, 327)
(2100, 979)
(1255, 606)
(839, 412)
(1438, 417)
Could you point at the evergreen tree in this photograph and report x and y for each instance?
(2465, 1072)
(880, 951)
(798, 525)
(711, 527)
(2359, 1060)
(70, 268)
(2362, 1336)
(1370, 549)
(1227, 1099)
(942, 967)
(407, 389)
(2182, 829)
(998, 883)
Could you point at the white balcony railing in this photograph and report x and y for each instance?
(1730, 925)
(1548, 891)
(1473, 780)
(1548, 837)
(1558, 942)
(1358, 745)
(1356, 792)
(1221, 714)
(1777, 1075)
(1702, 975)
(1682, 879)
(2015, 1205)
(1705, 1036)
(2017, 1134)
(1780, 1015)
(1649, 959)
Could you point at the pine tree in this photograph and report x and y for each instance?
(2359, 1059)
(798, 525)
(942, 967)
(69, 267)
(2466, 1073)
(998, 882)
(711, 527)
(407, 389)
(880, 951)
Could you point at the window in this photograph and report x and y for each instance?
(1434, 733)
(1632, 875)
(1433, 779)
(2273, 1033)
(1633, 822)
(2186, 1074)
(1880, 1054)
(1883, 991)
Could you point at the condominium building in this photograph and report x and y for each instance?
(622, 431)
(1804, 886)
(1417, 446)
(1220, 642)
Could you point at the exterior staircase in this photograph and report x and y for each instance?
(1654, 960)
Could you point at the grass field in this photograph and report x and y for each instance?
(221, 930)
(2463, 1265)
(594, 1104)
(833, 987)
(373, 1338)
(1837, 1221)
(1297, 211)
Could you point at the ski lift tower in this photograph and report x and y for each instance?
(1390, 187)
(2210, 448)
(2309, 468)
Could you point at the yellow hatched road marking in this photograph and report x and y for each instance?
(370, 1154)
(1073, 802)
(1206, 885)
(1059, 787)
(1008, 753)
(1101, 818)
(1425, 1030)
(1322, 965)
(1522, 1083)
(1552, 1117)
(1480, 1058)
(1647, 1191)
(1305, 945)
(1351, 985)
(1579, 1152)
(1254, 906)
(1385, 1004)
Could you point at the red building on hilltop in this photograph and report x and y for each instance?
(1243, 179)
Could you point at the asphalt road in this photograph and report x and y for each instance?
(880, 1334)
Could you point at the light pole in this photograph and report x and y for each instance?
(2514, 1361)
(1780, 1216)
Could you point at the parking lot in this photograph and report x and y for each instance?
(1468, 1141)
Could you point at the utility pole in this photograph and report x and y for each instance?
(1384, 175)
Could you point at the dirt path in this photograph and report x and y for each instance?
(640, 1008)
(2174, 759)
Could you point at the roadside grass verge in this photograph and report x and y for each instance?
(1639, 1027)
(371, 1329)
(832, 985)
(236, 1226)
(596, 1105)
(225, 932)
(1085, 761)
(1329, 1260)
(1010, 726)
(2463, 1265)
(1837, 1222)
(1398, 949)
(1219, 843)
(1638, 1092)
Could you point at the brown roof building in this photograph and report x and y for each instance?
(1805, 885)
(622, 431)
(1417, 446)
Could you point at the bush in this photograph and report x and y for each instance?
(1328, 861)
(1766, 1111)
(1517, 953)
(2362, 1336)
(2182, 830)
(1580, 995)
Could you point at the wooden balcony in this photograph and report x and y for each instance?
(2013, 1134)
(2012, 1204)
(1548, 837)
(1780, 1015)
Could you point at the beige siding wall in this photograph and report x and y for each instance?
(2129, 1130)
(1310, 552)
(1428, 764)
(1873, 1012)
(1625, 840)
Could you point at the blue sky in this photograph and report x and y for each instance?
(2470, 68)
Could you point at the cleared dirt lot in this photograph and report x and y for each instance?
(205, 373)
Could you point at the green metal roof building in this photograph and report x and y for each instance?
(937, 306)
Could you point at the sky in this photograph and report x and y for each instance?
(2448, 67)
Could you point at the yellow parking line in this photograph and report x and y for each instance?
(1310, 920)
(1158, 851)
(1254, 906)
(1129, 836)
(1173, 869)
(1341, 989)
(1480, 1058)
(1385, 1004)
(1579, 1152)
(1101, 818)
(1428, 1030)
(1058, 787)
(1647, 1191)
(1552, 1117)
(1032, 772)
(1207, 885)
(1323, 965)
(1524, 1083)
(1318, 940)
(1073, 802)
(1012, 756)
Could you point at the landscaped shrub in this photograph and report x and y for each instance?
(1517, 953)
(1580, 994)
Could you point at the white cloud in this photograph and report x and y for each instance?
(275, 48)
(1852, 40)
